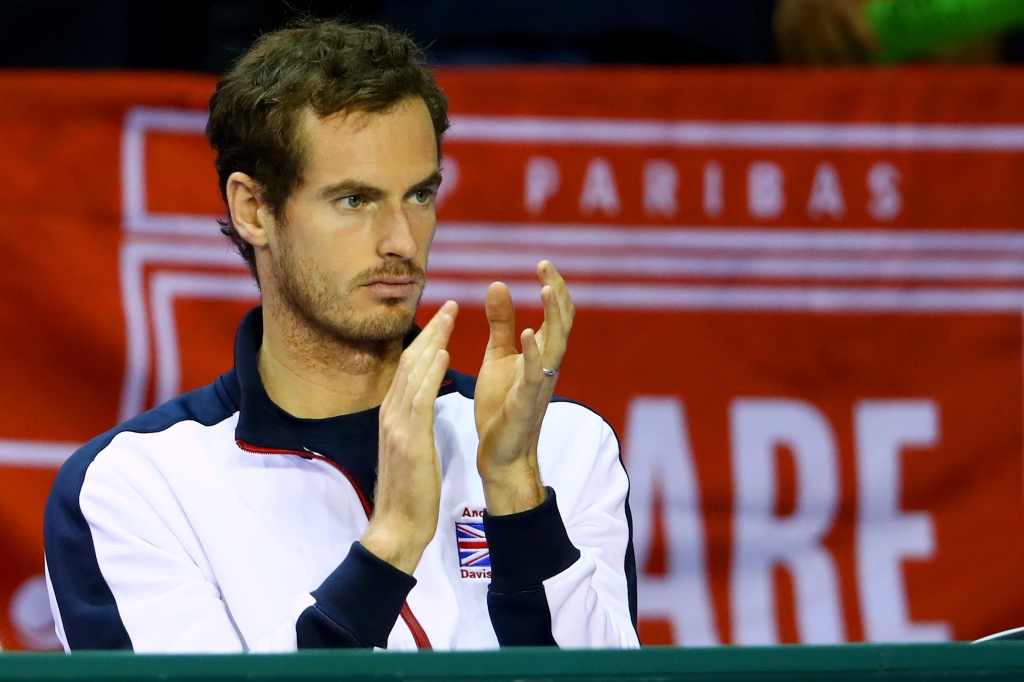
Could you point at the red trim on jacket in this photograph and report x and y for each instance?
(419, 635)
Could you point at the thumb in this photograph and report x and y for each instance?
(501, 317)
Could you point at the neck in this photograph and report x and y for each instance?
(312, 374)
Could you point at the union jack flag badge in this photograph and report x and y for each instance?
(472, 544)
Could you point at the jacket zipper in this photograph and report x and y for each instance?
(419, 635)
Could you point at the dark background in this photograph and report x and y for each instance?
(206, 35)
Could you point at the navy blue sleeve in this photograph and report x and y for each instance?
(87, 607)
(356, 606)
(526, 549)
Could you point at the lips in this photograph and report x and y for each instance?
(392, 281)
(392, 287)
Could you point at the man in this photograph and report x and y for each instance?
(341, 487)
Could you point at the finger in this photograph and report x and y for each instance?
(422, 340)
(411, 355)
(422, 413)
(561, 293)
(421, 369)
(501, 317)
(552, 334)
(533, 367)
(553, 337)
(549, 275)
(415, 349)
(405, 364)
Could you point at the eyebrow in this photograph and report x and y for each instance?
(353, 187)
(349, 187)
(432, 180)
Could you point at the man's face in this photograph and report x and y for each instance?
(351, 255)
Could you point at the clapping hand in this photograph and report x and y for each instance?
(408, 469)
(513, 391)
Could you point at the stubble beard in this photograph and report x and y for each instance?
(325, 306)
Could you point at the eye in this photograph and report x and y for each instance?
(354, 201)
(422, 196)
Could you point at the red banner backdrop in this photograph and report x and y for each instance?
(800, 305)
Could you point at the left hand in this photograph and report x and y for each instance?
(512, 393)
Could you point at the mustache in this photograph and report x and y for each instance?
(388, 270)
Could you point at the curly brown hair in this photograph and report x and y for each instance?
(324, 65)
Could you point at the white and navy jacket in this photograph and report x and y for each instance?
(217, 522)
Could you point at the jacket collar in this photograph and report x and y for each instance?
(262, 423)
(348, 440)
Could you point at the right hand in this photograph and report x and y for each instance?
(408, 494)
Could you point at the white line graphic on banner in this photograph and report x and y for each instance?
(162, 250)
(779, 299)
(511, 249)
(166, 288)
(587, 235)
(749, 135)
(136, 257)
(33, 453)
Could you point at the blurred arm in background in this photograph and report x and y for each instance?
(823, 32)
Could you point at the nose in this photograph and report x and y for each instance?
(397, 239)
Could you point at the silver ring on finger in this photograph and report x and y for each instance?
(549, 372)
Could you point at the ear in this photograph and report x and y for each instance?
(250, 214)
